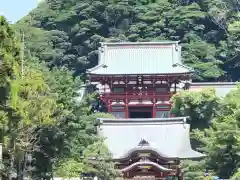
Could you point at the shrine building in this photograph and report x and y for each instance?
(136, 81)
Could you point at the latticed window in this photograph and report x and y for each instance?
(118, 90)
(162, 90)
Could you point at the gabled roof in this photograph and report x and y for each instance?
(140, 58)
(168, 137)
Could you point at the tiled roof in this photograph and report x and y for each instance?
(169, 137)
(222, 88)
(140, 58)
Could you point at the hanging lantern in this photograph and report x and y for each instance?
(140, 80)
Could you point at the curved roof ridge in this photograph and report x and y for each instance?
(147, 163)
(144, 148)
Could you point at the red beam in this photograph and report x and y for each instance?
(131, 96)
(140, 105)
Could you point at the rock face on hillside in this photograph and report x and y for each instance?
(72, 29)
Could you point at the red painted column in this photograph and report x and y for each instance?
(126, 108)
(154, 111)
(126, 111)
(109, 106)
(154, 107)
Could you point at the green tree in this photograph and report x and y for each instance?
(96, 160)
(69, 33)
(221, 140)
(29, 106)
(236, 176)
(87, 152)
(200, 107)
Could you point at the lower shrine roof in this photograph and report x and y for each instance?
(168, 137)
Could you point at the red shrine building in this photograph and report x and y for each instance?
(135, 82)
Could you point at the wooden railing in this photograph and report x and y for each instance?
(137, 95)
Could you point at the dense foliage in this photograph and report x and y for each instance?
(67, 33)
(40, 121)
(216, 127)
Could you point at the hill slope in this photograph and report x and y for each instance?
(71, 31)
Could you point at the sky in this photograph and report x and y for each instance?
(14, 10)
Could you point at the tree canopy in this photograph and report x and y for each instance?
(40, 121)
(215, 129)
(67, 33)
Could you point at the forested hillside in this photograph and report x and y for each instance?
(46, 133)
(70, 31)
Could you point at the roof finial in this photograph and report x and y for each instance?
(143, 142)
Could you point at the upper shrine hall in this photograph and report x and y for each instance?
(137, 80)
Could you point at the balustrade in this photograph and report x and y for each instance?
(137, 95)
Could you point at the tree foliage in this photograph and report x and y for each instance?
(200, 107)
(70, 32)
(25, 91)
(41, 122)
(39, 114)
(96, 159)
(219, 138)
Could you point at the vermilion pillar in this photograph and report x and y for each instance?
(109, 107)
(154, 111)
(126, 111)
(126, 108)
(154, 108)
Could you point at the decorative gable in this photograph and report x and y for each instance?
(143, 142)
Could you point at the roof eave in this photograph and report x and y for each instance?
(191, 70)
(94, 68)
(133, 74)
(200, 155)
(144, 149)
(139, 43)
(213, 83)
(144, 120)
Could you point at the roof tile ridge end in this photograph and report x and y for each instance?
(96, 67)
